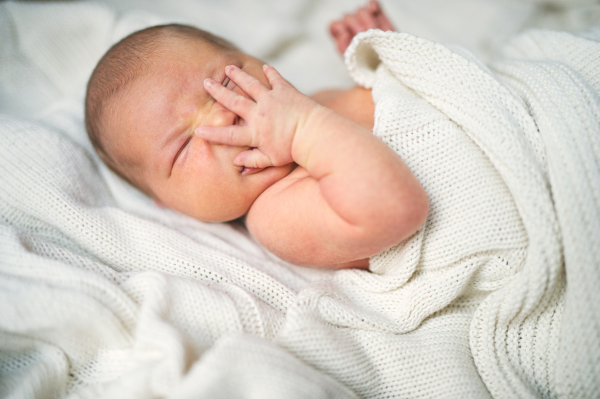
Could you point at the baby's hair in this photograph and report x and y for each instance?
(124, 62)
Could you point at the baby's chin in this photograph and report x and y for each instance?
(233, 202)
(258, 181)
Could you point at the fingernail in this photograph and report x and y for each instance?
(238, 161)
(229, 68)
(208, 82)
(265, 67)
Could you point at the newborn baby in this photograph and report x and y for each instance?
(216, 134)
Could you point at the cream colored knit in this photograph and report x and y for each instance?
(102, 294)
(536, 123)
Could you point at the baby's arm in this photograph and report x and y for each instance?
(368, 17)
(351, 196)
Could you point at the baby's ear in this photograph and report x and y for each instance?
(159, 203)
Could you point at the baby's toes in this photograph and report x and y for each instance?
(366, 18)
(341, 34)
(354, 24)
(374, 7)
(384, 23)
(336, 28)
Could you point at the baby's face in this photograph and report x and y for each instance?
(152, 126)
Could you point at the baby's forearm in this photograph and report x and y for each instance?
(363, 180)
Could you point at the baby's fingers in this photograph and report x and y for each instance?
(248, 83)
(233, 135)
(275, 79)
(253, 158)
(234, 102)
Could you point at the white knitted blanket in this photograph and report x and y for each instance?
(104, 295)
(510, 158)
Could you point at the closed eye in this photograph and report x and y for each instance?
(180, 150)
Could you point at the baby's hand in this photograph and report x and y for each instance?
(369, 17)
(271, 117)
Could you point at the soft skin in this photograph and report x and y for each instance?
(215, 135)
(351, 196)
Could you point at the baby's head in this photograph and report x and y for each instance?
(145, 99)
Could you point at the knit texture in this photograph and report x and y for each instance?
(103, 294)
(510, 160)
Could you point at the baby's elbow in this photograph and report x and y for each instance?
(411, 215)
(420, 210)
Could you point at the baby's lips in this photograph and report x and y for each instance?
(249, 171)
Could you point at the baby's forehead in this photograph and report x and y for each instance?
(184, 47)
(167, 90)
(144, 114)
(122, 120)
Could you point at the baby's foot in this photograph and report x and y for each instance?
(369, 17)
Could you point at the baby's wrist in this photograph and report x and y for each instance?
(311, 129)
(319, 135)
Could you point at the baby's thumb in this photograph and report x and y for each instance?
(253, 158)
